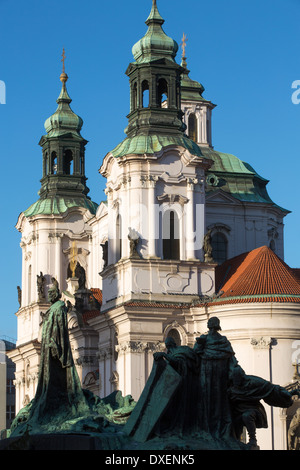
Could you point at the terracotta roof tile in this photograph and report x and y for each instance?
(97, 293)
(255, 277)
(296, 273)
(88, 314)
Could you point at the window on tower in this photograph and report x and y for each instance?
(219, 245)
(162, 92)
(53, 164)
(68, 162)
(192, 127)
(171, 235)
(145, 92)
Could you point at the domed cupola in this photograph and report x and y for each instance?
(155, 83)
(64, 119)
(155, 44)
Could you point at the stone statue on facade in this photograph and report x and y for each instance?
(81, 276)
(133, 241)
(104, 247)
(207, 247)
(41, 287)
(19, 295)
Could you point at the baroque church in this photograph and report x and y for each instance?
(186, 233)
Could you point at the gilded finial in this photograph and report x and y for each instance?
(183, 44)
(73, 261)
(64, 76)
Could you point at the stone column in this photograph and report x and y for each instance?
(189, 216)
(24, 277)
(262, 368)
(152, 217)
(111, 227)
(58, 260)
(124, 211)
(200, 125)
(204, 118)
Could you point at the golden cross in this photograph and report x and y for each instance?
(63, 60)
(183, 44)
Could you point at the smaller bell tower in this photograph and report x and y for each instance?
(155, 216)
(197, 111)
(63, 151)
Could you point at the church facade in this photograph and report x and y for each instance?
(185, 233)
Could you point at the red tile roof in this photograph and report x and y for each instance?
(88, 314)
(97, 293)
(257, 276)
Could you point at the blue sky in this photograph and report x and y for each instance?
(245, 53)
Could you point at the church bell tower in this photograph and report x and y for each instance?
(155, 216)
(53, 228)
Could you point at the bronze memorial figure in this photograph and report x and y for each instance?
(195, 398)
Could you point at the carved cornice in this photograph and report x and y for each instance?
(139, 347)
(84, 360)
(149, 180)
(105, 353)
(264, 342)
(172, 199)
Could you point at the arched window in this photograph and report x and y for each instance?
(170, 235)
(192, 127)
(173, 333)
(162, 92)
(68, 162)
(219, 247)
(53, 164)
(145, 94)
(82, 164)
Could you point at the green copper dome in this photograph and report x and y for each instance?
(155, 44)
(64, 120)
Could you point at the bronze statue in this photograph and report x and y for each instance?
(60, 404)
(202, 396)
(294, 432)
(245, 394)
